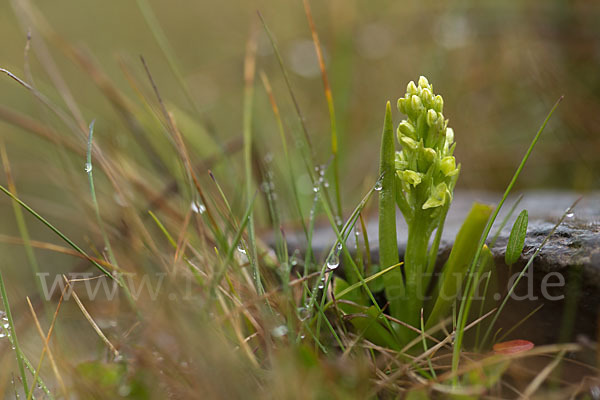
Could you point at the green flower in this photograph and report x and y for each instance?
(426, 156)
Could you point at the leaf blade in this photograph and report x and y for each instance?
(516, 240)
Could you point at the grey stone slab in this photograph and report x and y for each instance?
(576, 242)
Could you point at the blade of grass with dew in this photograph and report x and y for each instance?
(345, 232)
(13, 334)
(286, 154)
(341, 239)
(465, 303)
(89, 170)
(368, 279)
(229, 258)
(321, 313)
(290, 91)
(527, 266)
(306, 148)
(330, 106)
(388, 240)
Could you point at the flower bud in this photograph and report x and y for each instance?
(416, 104)
(423, 82)
(432, 118)
(405, 141)
(407, 129)
(438, 104)
(403, 105)
(411, 89)
(427, 97)
(449, 140)
(429, 154)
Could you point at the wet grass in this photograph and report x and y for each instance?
(197, 293)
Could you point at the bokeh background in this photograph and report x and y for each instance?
(499, 65)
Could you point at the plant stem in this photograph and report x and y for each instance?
(415, 263)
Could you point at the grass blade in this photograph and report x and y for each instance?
(330, 106)
(59, 233)
(13, 334)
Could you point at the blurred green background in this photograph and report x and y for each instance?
(499, 66)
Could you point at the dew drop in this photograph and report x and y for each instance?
(241, 250)
(378, 185)
(333, 261)
(316, 188)
(88, 167)
(321, 285)
(279, 331)
(303, 313)
(570, 215)
(198, 208)
(339, 246)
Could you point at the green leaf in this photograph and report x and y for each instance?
(369, 324)
(388, 246)
(516, 241)
(456, 268)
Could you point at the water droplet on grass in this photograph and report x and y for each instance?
(279, 331)
(378, 185)
(198, 208)
(88, 167)
(333, 261)
(303, 313)
(570, 215)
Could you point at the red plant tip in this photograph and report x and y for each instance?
(513, 346)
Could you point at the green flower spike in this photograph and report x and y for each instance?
(426, 173)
